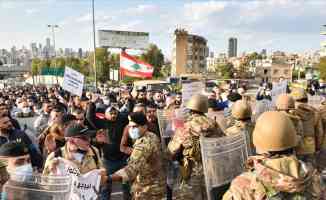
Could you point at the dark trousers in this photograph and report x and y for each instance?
(111, 167)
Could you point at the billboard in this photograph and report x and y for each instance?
(123, 39)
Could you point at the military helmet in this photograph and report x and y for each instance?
(198, 103)
(299, 94)
(274, 131)
(284, 102)
(241, 110)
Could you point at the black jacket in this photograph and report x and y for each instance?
(114, 130)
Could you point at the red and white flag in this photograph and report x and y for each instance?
(130, 66)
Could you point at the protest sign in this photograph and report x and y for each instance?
(84, 186)
(73, 81)
(190, 89)
(278, 88)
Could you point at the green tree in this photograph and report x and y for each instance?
(35, 66)
(225, 70)
(155, 57)
(166, 69)
(322, 68)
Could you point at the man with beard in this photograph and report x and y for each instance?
(109, 138)
(4, 110)
(9, 134)
(159, 100)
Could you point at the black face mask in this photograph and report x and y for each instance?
(81, 151)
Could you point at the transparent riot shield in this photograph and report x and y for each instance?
(223, 159)
(315, 100)
(165, 118)
(32, 187)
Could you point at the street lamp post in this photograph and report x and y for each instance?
(94, 43)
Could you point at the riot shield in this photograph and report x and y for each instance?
(31, 187)
(168, 122)
(315, 100)
(223, 159)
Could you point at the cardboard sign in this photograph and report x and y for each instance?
(73, 81)
(84, 186)
(190, 89)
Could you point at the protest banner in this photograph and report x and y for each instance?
(278, 88)
(84, 186)
(73, 81)
(190, 89)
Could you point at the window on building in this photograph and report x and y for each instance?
(286, 72)
(275, 71)
(189, 57)
(265, 71)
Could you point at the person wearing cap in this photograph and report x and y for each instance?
(108, 140)
(145, 165)
(152, 126)
(9, 134)
(18, 170)
(276, 172)
(78, 150)
(185, 145)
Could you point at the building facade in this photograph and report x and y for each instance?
(233, 47)
(189, 53)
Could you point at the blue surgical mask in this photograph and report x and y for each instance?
(134, 133)
(23, 173)
(78, 157)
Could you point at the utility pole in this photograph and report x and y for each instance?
(94, 42)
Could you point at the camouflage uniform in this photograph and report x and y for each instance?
(145, 169)
(275, 178)
(312, 129)
(187, 141)
(321, 157)
(241, 127)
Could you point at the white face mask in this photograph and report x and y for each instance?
(23, 173)
(78, 156)
(134, 133)
(26, 110)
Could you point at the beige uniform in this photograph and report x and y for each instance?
(145, 169)
(187, 140)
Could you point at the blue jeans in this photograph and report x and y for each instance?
(112, 167)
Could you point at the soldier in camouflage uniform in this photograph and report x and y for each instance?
(241, 112)
(185, 145)
(312, 128)
(145, 166)
(321, 157)
(285, 104)
(276, 173)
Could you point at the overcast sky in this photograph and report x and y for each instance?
(288, 25)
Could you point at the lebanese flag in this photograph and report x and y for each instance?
(130, 66)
